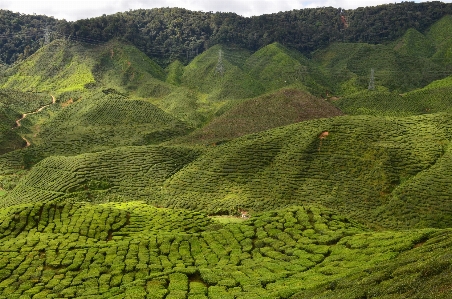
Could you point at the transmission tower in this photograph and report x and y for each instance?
(372, 80)
(46, 36)
(220, 66)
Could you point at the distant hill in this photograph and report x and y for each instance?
(63, 66)
(280, 108)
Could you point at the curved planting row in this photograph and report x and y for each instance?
(132, 171)
(137, 251)
(350, 163)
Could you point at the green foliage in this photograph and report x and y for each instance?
(283, 107)
(135, 250)
(266, 145)
(137, 172)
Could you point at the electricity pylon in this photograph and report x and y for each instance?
(220, 66)
(372, 80)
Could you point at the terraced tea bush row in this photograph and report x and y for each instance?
(135, 172)
(133, 250)
(106, 121)
(354, 169)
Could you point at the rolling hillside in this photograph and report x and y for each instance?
(233, 171)
(359, 166)
(280, 108)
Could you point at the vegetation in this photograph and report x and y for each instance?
(202, 166)
(135, 250)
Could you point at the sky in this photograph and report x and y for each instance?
(72, 10)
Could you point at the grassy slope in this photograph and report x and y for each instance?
(63, 66)
(105, 121)
(280, 108)
(276, 67)
(397, 69)
(135, 250)
(56, 67)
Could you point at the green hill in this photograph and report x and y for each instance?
(106, 121)
(218, 73)
(64, 66)
(134, 172)
(349, 66)
(354, 169)
(358, 168)
(414, 43)
(280, 108)
(276, 67)
(432, 98)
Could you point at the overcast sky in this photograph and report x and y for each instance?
(72, 10)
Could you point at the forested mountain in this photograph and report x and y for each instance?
(170, 33)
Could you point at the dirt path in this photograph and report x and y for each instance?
(18, 124)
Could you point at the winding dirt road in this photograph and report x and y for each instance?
(18, 124)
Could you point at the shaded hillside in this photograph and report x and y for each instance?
(433, 98)
(356, 165)
(280, 108)
(354, 168)
(218, 73)
(276, 66)
(79, 249)
(134, 172)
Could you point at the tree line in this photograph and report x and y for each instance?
(166, 34)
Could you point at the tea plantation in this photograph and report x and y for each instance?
(123, 178)
(133, 250)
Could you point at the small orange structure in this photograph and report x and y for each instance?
(244, 214)
(323, 135)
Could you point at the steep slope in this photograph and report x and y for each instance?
(127, 69)
(414, 43)
(351, 164)
(64, 66)
(55, 67)
(349, 67)
(276, 67)
(440, 34)
(283, 107)
(218, 73)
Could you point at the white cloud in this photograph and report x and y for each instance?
(79, 9)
